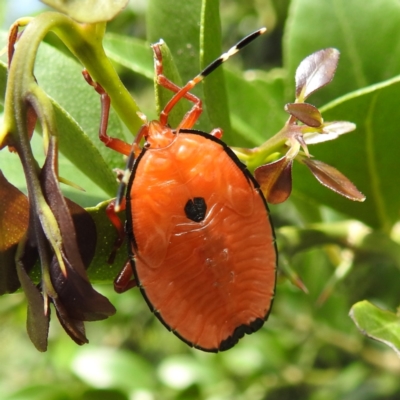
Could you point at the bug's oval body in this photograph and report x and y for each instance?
(203, 246)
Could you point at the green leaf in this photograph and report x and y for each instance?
(132, 53)
(365, 156)
(378, 324)
(89, 11)
(77, 109)
(182, 35)
(177, 22)
(366, 36)
(80, 150)
(64, 83)
(215, 96)
(100, 271)
(256, 106)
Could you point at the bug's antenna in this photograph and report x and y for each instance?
(232, 51)
(211, 67)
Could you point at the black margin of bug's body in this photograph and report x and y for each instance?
(239, 331)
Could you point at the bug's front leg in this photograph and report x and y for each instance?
(113, 143)
(194, 113)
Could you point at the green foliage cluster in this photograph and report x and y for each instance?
(346, 254)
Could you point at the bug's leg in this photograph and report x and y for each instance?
(217, 132)
(124, 281)
(119, 204)
(118, 225)
(12, 39)
(113, 143)
(192, 115)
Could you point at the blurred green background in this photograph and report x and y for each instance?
(308, 349)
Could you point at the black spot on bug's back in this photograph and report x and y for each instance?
(195, 209)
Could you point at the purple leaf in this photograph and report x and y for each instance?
(78, 298)
(333, 179)
(37, 321)
(275, 180)
(315, 71)
(306, 113)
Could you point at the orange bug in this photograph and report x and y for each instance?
(200, 237)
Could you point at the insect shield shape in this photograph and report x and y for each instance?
(202, 245)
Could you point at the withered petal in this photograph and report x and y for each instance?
(56, 201)
(316, 71)
(80, 300)
(14, 217)
(333, 179)
(74, 328)
(306, 113)
(37, 320)
(275, 180)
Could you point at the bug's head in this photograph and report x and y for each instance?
(158, 136)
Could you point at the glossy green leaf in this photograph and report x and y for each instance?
(89, 11)
(79, 149)
(177, 22)
(183, 41)
(256, 104)
(130, 52)
(366, 156)
(378, 324)
(12, 168)
(100, 271)
(77, 109)
(64, 83)
(367, 37)
(215, 95)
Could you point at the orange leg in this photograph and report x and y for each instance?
(113, 143)
(217, 132)
(124, 281)
(120, 146)
(118, 225)
(194, 113)
(12, 39)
